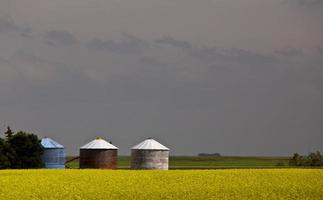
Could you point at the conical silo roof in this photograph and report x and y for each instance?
(150, 144)
(49, 143)
(98, 143)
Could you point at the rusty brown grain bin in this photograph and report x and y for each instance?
(149, 154)
(98, 154)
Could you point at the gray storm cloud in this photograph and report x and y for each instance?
(60, 37)
(320, 49)
(174, 42)
(127, 44)
(213, 80)
(290, 52)
(8, 25)
(309, 2)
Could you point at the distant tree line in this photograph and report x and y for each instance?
(314, 159)
(209, 154)
(20, 150)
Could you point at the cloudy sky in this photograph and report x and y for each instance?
(238, 77)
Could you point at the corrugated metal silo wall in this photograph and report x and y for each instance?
(54, 158)
(149, 159)
(98, 158)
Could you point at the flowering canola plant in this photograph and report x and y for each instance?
(174, 184)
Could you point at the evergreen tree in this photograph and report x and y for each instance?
(4, 160)
(20, 151)
(27, 151)
(9, 133)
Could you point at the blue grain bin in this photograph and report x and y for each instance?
(54, 153)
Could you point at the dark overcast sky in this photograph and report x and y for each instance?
(238, 77)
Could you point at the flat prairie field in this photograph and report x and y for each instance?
(173, 184)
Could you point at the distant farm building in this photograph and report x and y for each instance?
(149, 154)
(98, 154)
(54, 153)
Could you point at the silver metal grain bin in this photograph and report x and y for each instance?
(149, 154)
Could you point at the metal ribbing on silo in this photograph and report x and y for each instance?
(54, 153)
(149, 159)
(149, 154)
(54, 158)
(98, 158)
(98, 154)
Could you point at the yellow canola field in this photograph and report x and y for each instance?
(149, 185)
